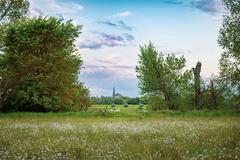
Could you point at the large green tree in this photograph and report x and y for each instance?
(229, 40)
(162, 77)
(40, 67)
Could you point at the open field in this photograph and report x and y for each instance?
(122, 135)
(173, 65)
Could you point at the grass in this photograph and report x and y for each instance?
(132, 111)
(128, 134)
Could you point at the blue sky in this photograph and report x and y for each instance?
(113, 30)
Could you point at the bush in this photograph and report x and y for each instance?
(125, 105)
(157, 103)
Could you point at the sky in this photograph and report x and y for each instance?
(114, 30)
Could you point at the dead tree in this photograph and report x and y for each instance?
(196, 72)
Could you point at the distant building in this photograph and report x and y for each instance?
(116, 95)
(113, 92)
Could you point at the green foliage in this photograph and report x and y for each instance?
(134, 100)
(32, 96)
(113, 105)
(81, 98)
(101, 100)
(40, 67)
(118, 100)
(157, 103)
(229, 40)
(163, 77)
(226, 95)
(11, 11)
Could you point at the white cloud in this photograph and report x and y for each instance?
(53, 7)
(209, 6)
(120, 15)
(218, 17)
(99, 40)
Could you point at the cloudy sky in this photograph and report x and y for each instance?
(113, 30)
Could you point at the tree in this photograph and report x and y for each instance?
(196, 73)
(229, 40)
(40, 67)
(162, 77)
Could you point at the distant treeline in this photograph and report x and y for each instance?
(105, 100)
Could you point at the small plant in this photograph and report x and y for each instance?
(125, 105)
(113, 105)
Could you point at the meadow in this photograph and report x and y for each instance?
(128, 133)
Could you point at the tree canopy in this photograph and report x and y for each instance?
(229, 40)
(162, 76)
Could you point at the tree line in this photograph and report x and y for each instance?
(119, 100)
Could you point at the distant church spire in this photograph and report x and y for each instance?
(113, 92)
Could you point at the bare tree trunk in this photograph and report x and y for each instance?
(196, 72)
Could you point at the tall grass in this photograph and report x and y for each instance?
(55, 137)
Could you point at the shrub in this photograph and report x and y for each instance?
(113, 105)
(158, 103)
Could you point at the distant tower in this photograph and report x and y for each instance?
(113, 92)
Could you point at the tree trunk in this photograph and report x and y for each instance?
(169, 102)
(162, 87)
(196, 72)
(167, 97)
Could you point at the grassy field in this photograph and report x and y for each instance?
(126, 133)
